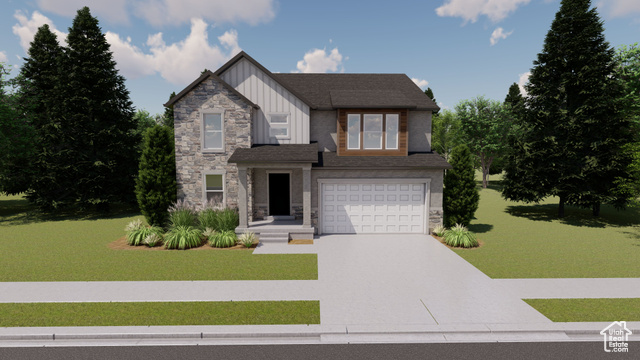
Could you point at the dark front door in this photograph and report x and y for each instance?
(279, 194)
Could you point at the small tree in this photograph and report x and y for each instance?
(156, 183)
(460, 196)
(429, 93)
(446, 133)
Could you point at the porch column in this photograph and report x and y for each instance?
(306, 197)
(242, 197)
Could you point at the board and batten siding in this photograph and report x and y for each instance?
(265, 92)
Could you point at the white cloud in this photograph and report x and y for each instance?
(470, 10)
(3, 56)
(318, 61)
(168, 12)
(420, 82)
(179, 62)
(443, 106)
(26, 28)
(113, 10)
(619, 8)
(522, 81)
(498, 34)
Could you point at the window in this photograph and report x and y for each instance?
(279, 125)
(391, 132)
(214, 188)
(213, 135)
(353, 131)
(372, 134)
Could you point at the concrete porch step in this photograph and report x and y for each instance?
(274, 237)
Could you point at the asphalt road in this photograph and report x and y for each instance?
(547, 350)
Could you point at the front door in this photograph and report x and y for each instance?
(279, 201)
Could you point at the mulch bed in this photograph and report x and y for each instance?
(121, 244)
(301, 242)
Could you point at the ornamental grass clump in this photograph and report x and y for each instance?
(137, 236)
(228, 220)
(182, 214)
(223, 239)
(247, 239)
(153, 240)
(439, 230)
(183, 237)
(460, 236)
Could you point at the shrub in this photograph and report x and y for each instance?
(182, 214)
(247, 239)
(459, 236)
(223, 239)
(136, 237)
(439, 230)
(228, 220)
(153, 240)
(208, 219)
(460, 194)
(156, 182)
(183, 237)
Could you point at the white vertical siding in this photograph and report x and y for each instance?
(262, 90)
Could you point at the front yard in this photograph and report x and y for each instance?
(529, 241)
(73, 248)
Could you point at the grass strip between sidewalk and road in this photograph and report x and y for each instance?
(159, 313)
(588, 310)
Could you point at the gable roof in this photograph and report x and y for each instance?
(243, 55)
(332, 91)
(202, 78)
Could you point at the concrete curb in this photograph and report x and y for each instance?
(307, 334)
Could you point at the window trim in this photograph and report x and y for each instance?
(285, 125)
(381, 132)
(223, 173)
(359, 131)
(386, 133)
(202, 130)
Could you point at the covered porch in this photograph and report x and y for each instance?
(280, 178)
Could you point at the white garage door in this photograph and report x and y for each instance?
(373, 207)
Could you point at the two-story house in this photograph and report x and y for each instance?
(343, 153)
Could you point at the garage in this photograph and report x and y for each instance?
(373, 206)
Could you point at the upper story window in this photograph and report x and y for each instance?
(279, 125)
(213, 131)
(373, 132)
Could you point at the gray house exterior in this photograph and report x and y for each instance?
(343, 153)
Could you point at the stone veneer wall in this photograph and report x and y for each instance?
(191, 162)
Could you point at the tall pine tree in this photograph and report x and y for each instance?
(460, 195)
(573, 129)
(99, 117)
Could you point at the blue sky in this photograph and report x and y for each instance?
(460, 48)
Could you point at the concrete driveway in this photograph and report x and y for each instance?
(409, 279)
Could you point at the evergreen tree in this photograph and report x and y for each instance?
(573, 130)
(98, 116)
(168, 113)
(429, 93)
(460, 195)
(156, 183)
(514, 99)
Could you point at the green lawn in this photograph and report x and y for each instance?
(72, 247)
(573, 310)
(159, 313)
(529, 241)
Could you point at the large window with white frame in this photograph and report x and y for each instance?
(373, 131)
(279, 125)
(213, 131)
(214, 189)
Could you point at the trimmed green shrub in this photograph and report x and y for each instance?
(153, 240)
(182, 214)
(439, 230)
(137, 236)
(156, 182)
(183, 237)
(223, 239)
(460, 194)
(247, 239)
(460, 236)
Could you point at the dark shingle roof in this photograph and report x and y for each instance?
(202, 78)
(276, 153)
(431, 160)
(331, 91)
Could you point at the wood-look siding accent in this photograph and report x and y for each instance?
(403, 143)
(265, 92)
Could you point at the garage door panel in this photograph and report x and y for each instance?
(373, 207)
